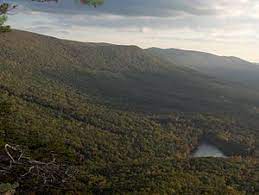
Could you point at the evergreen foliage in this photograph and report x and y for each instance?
(57, 98)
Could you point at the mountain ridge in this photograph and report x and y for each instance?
(123, 76)
(230, 69)
(199, 52)
(108, 118)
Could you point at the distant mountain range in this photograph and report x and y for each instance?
(231, 69)
(92, 118)
(132, 78)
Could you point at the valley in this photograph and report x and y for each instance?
(114, 116)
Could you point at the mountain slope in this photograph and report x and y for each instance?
(126, 77)
(67, 107)
(230, 69)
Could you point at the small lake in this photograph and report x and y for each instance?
(208, 150)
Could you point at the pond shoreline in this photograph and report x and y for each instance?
(226, 147)
(206, 149)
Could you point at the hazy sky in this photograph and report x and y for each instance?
(224, 27)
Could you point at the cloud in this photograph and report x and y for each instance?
(149, 8)
(155, 8)
(218, 24)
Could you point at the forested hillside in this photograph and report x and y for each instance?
(101, 118)
(227, 68)
(122, 76)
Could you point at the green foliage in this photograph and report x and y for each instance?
(227, 69)
(7, 187)
(64, 98)
(2, 20)
(3, 28)
(4, 8)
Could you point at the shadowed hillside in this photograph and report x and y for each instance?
(230, 69)
(99, 118)
(122, 76)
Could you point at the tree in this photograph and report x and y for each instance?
(6, 120)
(5, 8)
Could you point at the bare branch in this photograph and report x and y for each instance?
(47, 173)
(8, 153)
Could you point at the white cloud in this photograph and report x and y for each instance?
(227, 27)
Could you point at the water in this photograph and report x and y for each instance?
(207, 150)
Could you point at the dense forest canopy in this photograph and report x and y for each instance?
(64, 114)
(97, 118)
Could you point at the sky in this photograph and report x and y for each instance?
(223, 27)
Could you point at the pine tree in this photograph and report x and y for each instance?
(4, 9)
